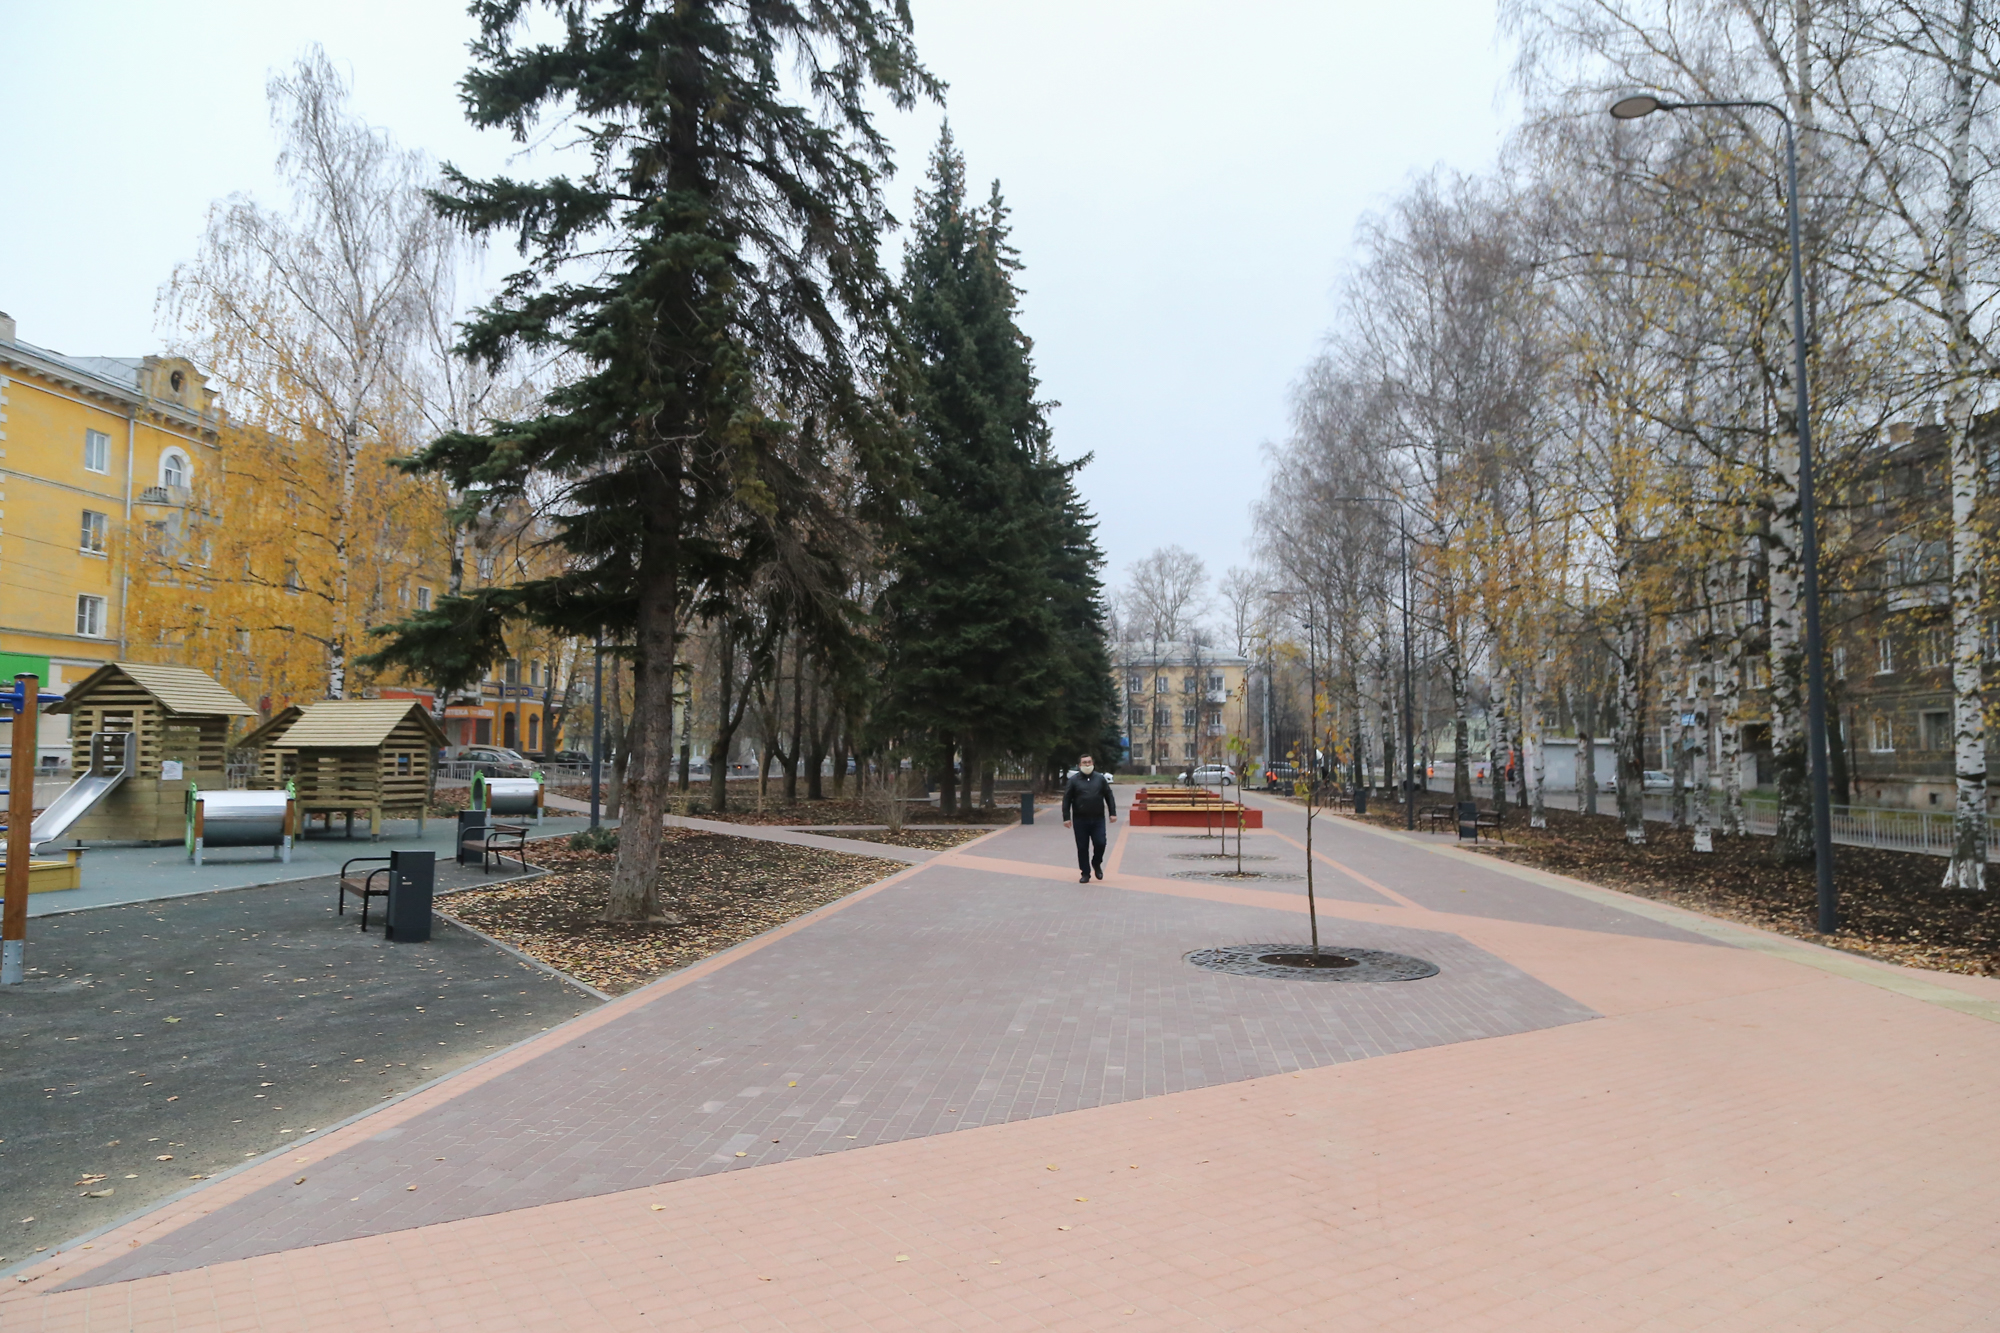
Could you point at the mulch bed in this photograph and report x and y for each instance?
(728, 889)
(922, 839)
(743, 809)
(1891, 905)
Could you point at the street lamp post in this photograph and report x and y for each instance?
(1409, 690)
(1645, 104)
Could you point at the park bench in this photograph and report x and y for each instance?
(362, 886)
(493, 842)
(1447, 815)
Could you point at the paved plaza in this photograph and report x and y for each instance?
(980, 1095)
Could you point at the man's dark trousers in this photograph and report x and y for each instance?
(1089, 844)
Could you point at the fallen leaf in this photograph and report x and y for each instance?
(164, 1157)
(659, 1208)
(743, 1154)
(173, 1020)
(1081, 1199)
(176, 1097)
(1054, 1167)
(1062, 1228)
(300, 1181)
(98, 1194)
(409, 1187)
(793, 1084)
(902, 1258)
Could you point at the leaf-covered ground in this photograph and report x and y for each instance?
(727, 889)
(743, 809)
(922, 839)
(1891, 905)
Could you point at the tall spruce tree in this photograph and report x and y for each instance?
(991, 592)
(716, 282)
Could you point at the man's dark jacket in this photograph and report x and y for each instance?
(1088, 797)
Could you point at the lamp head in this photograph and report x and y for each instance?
(1635, 106)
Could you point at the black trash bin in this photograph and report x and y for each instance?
(472, 822)
(412, 885)
(1360, 800)
(1468, 820)
(1027, 807)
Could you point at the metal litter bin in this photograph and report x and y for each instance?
(472, 822)
(412, 885)
(1027, 807)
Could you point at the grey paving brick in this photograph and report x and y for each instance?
(956, 999)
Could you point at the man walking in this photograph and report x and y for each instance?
(1087, 803)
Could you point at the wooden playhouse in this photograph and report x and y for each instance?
(274, 763)
(357, 756)
(181, 717)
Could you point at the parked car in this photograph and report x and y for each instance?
(1658, 779)
(1209, 775)
(570, 758)
(497, 761)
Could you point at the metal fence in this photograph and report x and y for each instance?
(1926, 832)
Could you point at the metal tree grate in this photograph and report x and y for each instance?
(1291, 961)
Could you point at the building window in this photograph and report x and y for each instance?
(1187, 719)
(1885, 657)
(534, 731)
(423, 598)
(1937, 730)
(1187, 684)
(95, 525)
(513, 671)
(485, 569)
(243, 641)
(1160, 718)
(90, 616)
(1160, 685)
(175, 471)
(1138, 718)
(1187, 750)
(402, 765)
(1760, 672)
(1214, 681)
(96, 451)
(1934, 649)
(1881, 734)
(1135, 683)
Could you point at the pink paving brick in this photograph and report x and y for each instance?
(1743, 1142)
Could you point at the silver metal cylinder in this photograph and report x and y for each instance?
(243, 818)
(512, 796)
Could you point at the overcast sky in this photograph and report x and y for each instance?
(1185, 175)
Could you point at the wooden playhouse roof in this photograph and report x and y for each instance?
(184, 691)
(266, 734)
(342, 724)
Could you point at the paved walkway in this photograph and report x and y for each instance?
(113, 876)
(979, 1094)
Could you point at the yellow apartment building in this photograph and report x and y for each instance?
(1183, 704)
(93, 449)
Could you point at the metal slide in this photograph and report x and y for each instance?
(113, 756)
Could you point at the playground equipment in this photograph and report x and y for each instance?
(165, 730)
(361, 756)
(241, 819)
(274, 763)
(113, 757)
(509, 796)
